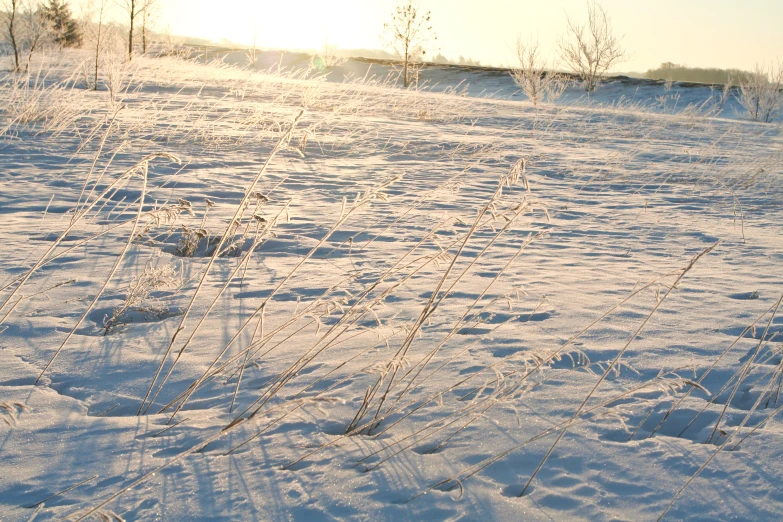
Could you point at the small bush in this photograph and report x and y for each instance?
(531, 76)
(761, 93)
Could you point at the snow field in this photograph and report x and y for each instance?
(239, 295)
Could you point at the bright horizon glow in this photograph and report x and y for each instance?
(696, 33)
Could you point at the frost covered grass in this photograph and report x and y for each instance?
(289, 296)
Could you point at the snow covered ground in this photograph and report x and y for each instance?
(234, 295)
(496, 83)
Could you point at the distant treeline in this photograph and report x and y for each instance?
(459, 61)
(681, 73)
(384, 55)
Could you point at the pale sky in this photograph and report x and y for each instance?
(698, 33)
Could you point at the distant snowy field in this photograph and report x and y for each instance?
(279, 295)
(628, 93)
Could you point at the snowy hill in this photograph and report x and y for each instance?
(283, 295)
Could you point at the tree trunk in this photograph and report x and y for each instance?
(29, 58)
(97, 53)
(144, 34)
(253, 56)
(12, 36)
(405, 71)
(130, 32)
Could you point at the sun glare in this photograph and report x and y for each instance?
(304, 24)
(487, 30)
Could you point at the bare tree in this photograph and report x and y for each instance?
(96, 32)
(328, 57)
(532, 76)
(10, 14)
(25, 28)
(591, 51)
(36, 30)
(761, 93)
(132, 9)
(150, 11)
(408, 34)
(252, 53)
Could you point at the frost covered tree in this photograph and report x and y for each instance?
(408, 34)
(761, 93)
(65, 30)
(150, 11)
(24, 29)
(591, 50)
(132, 9)
(253, 52)
(96, 32)
(10, 10)
(531, 75)
(35, 33)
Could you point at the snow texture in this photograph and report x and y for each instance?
(293, 294)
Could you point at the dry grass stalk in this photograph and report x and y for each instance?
(10, 410)
(139, 290)
(141, 168)
(240, 209)
(617, 358)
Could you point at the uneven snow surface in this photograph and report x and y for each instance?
(233, 295)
